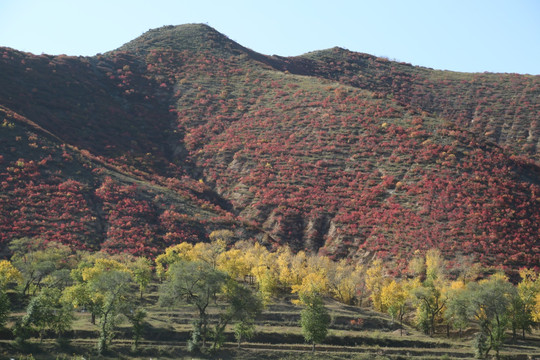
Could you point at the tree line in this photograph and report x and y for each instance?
(237, 280)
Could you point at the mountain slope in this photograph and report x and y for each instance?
(334, 151)
(502, 108)
(60, 193)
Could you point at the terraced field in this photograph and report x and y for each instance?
(355, 333)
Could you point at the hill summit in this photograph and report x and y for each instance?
(193, 37)
(182, 131)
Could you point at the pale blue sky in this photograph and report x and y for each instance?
(460, 35)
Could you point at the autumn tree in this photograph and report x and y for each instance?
(528, 290)
(209, 252)
(375, 281)
(536, 309)
(234, 263)
(394, 296)
(429, 293)
(291, 267)
(173, 254)
(223, 235)
(8, 275)
(346, 281)
(264, 269)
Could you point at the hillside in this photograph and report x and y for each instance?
(500, 108)
(182, 131)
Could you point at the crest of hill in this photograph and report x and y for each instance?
(191, 37)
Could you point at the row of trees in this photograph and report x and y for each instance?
(237, 281)
(492, 303)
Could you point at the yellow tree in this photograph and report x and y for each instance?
(314, 276)
(536, 309)
(264, 269)
(523, 304)
(223, 235)
(394, 296)
(430, 295)
(9, 274)
(173, 254)
(346, 281)
(234, 263)
(209, 252)
(285, 259)
(375, 281)
(292, 268)
(313, 283)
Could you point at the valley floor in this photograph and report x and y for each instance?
(278, 336)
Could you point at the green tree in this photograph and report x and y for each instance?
(489, 303)
(456, 311)
(314, 319)
(197, 283)
(519, 316)
(5, 307)
(47, 311)
(41, 264)
(104, 286)
(115, 288)
(141, 269)
(243, 306)
(244, 330)
(136, 318)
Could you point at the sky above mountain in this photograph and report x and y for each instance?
(459, 35)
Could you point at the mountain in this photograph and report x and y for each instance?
(182, 131)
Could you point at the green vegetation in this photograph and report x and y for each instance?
(314, 319)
